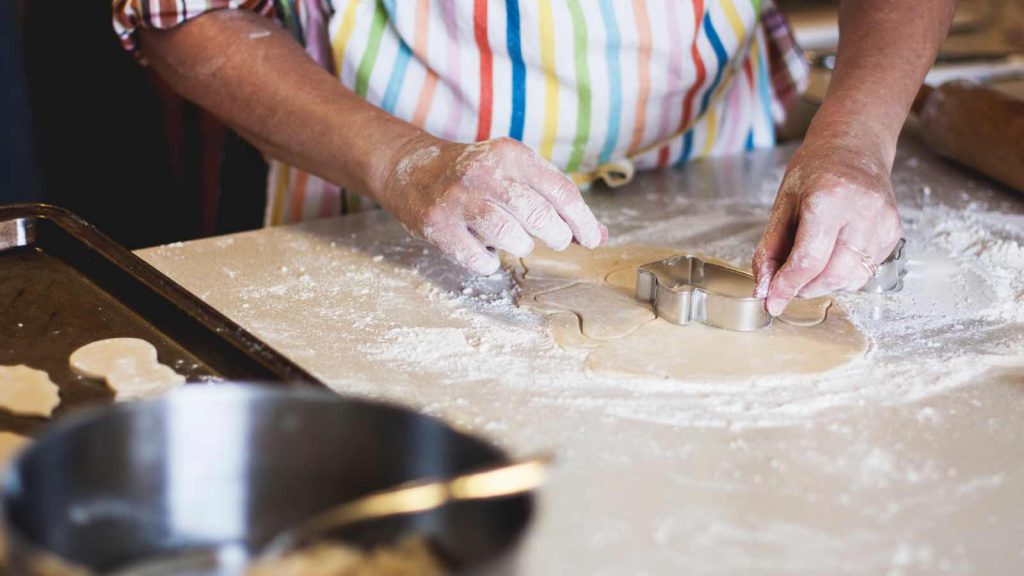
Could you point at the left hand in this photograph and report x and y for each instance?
(835, 211)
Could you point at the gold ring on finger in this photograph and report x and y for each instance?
(865, 259)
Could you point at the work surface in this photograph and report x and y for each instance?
(909, 461)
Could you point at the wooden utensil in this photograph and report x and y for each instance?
(977, 126)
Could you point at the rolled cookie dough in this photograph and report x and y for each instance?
(99, 358)
(590, 302)
(619, 316)
(800, 312)
(139, 380)
(27, 392)
(128, 365)
(695, 351)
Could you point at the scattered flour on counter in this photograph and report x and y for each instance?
(425, 344)
(392, 310)
(959, 315)
(727, 477)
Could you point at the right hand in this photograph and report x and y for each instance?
(468, 199)
(835, 208)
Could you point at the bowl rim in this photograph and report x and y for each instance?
(244, 389)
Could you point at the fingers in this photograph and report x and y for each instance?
(455, 240)
(765, 268)
(771, 252)
(536, 216)
(544, 201)
(826, 193)
(566, 199)
(845, 270)
(497, 228)
(812, 249)
(495, 194)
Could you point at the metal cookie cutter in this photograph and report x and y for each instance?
(889, 277)
(685, 288)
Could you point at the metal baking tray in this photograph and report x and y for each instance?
(64, 284)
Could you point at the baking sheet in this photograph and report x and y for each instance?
(63, 284)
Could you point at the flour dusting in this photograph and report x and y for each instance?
(964, 285)
(868, 469)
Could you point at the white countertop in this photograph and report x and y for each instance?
(910, 461)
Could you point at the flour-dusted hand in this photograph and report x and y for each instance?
(468, 199)
(834, 218)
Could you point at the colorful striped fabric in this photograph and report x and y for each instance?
(130, 15)
(586, 83)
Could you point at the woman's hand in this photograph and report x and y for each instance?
(834, 218)
(463, 198)
(468, 199)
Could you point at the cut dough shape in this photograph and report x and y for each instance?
(799, 312)
(565, 329)
(578, 264)
(98, 359)
(128, 365)
(136, 380)
(696, 351)
(604, 314)
(28, 392)
(624, 278)
(600, 292)
(806, 312)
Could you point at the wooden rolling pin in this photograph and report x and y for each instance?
(976, 126)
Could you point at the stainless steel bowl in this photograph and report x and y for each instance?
(230, 466)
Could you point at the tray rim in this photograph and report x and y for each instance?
(164, 287)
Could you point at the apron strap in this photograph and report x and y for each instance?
(618, 173)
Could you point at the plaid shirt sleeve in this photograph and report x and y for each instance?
(786, 62)
(131, 15)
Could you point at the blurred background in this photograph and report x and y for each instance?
(93, 131)
(89, 129)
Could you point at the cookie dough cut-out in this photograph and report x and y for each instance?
(589, 298)
(27, 392)
(128, 365)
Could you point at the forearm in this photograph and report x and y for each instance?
(253, 75)
(466, 199)
(886, 48)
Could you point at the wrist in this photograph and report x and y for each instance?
(386, 162)
(850, 133)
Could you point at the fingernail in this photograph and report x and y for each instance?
(776, 307)
(592, 240)
(484, 265)
(564, 243)
(604, 234)
(522, 248)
